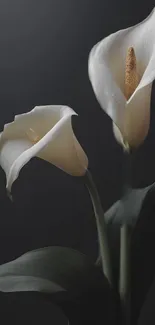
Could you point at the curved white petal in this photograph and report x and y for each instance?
(137, 120)
(118, 135)
(45, 132)
(64, 151)
(108, 93)
(137, 117)
(107, 66)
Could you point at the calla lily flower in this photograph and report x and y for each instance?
(45, 132)
(121, 70)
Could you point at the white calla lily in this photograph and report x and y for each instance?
(45, 132)
(107, 60)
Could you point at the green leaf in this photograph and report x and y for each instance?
(127, 209)
(50, 270)
(11, 283)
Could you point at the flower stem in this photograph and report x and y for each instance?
(124, 274)
(101, 227)
(124, 279)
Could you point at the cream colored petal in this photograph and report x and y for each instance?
(65, 151)
(57, 145)
(106, 89)
(137, 118)
(37, 122)
(10, 151)
(118, 135)
(107, 66)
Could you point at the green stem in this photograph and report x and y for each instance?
(124, 276)
(123, 284)
(124, 273)
(101, 227)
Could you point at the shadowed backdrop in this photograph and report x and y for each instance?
(44, 48)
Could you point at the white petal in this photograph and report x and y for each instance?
(64, 151)
(137, 118)
(10, 151)
(51, 127)
(118, 135)
(107, 66)
(108, 93)
(39, 120)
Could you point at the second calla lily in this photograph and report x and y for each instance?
(45, 132)
(121, 70)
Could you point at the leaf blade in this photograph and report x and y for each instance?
(60, 268)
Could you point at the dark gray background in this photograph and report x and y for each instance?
(44, 48)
